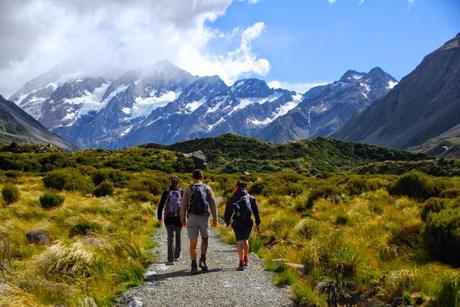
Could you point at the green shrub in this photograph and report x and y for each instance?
(67, 179)
(153, 186)
(10, 194)
(441, 234)
(342, 219)
(450, 193)
(113, 175)
(104, 189)
(50, 200)
(433, 204)
(326, 191)
(306, 297)
(84, 228)
(407, 236)
(284, 278)
(360, 185)
(259, 188)
(449, 296)
(307, 228)
(415, 185)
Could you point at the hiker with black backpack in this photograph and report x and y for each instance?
(239, 210)
(195, 213)
(170, 203)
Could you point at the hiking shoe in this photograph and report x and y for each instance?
(194, 269)
(170, 263)
(245, 264)
(240, 267)
(203, 265)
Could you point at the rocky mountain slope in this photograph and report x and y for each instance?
(325, 109)
(424, 105)
(17, 126)
(164, 104)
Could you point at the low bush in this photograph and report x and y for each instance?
(416, 185)
(10, 194)
(441, 234)
(259, 188)
(342, 219)
(433, 204)
(326, 191)
(104, 189)
(360, 185)
(449, 295)
(306, 228)
(84, 228)
(284, 278)
(147, 185)
(407, 236)
(50, 200)
(450, 193)
(115, 176)
(67, 179)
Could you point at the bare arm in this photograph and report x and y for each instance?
(184, 206)
(212, 203)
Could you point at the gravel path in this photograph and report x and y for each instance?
(221, 286)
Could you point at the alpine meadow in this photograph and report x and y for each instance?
(193, 153)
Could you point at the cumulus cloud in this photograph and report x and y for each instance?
(110, 36)
(298, 87)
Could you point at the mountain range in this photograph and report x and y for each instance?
(423, 107)
(165, 104)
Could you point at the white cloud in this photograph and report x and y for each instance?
(110, 36)
(298, 87)
(411, 1)
(331, 1)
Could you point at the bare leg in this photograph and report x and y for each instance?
(204, 246)
(240, 246)
(193, 244)
(245, 249)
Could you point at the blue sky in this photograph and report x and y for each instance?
(315, 41)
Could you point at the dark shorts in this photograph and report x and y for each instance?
(242, 230)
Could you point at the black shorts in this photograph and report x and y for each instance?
(242, 230)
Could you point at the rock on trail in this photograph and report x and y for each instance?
(221, 286)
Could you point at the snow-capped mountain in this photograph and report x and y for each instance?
(164, 104)
(326, 108)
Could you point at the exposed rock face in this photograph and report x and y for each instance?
(425, 104)
(325, 109)
(19, 127)
(198, 158)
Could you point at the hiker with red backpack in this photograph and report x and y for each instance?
(197, 206)
(239, 210)
(170, 202)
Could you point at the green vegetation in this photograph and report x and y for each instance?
(50, 200)
(344, 225)
(10, 194)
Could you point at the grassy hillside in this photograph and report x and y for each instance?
(320, 156)
(367, 239)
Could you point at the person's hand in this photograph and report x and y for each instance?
(214, 223)
(257, 228)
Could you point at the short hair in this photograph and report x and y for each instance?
(197, 174)
(241, 184)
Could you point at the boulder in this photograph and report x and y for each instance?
(199, 158)
(38, 237)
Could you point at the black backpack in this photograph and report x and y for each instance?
(199, 204)
(243, 209)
